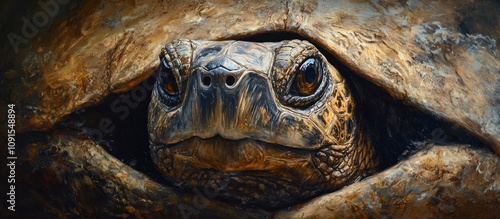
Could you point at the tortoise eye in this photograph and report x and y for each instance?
(308, 78)
(168, 84)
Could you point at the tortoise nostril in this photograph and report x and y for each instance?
(230, 80)
(207, 80)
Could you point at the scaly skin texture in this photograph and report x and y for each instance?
(226, 116)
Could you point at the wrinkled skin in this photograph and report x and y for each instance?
(269, 123)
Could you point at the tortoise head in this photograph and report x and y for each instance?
(260, 123)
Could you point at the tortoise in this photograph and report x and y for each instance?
(378, 79)
(269, 122)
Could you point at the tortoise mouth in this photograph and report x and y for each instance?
(245, 155)
(247, 171)
(232, 155)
